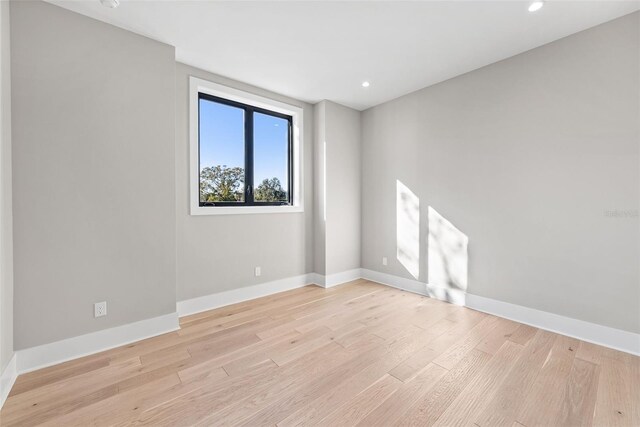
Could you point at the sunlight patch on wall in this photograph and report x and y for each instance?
(408, 229)
(447, 255)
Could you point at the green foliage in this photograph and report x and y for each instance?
(270, 190)
(221, 184)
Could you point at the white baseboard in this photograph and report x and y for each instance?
(585, 331)
(337, 278)
(7, 379)
(50, 354)
(234, 296)
(45, 355)
(617, 339)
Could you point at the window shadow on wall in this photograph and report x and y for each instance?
(447, 259)
(408, 229)
(447, 248)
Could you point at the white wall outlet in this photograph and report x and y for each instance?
(384, 260)
(100, 309)
(258, 272)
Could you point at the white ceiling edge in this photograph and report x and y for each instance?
(356, 49)
(489, 63)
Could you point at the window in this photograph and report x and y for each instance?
(245, 152)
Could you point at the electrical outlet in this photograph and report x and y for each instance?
(100, 309)
(384, 260)
(258, 272)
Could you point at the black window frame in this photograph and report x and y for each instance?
(249, 111)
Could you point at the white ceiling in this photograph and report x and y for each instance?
(314, 50)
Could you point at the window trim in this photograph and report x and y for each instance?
(197, 86)
(249, 160)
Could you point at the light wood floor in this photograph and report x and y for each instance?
(357, 354)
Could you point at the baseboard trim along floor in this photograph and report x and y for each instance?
(45, 355)
(234, 296)
(357, 354)
(50, 354)
(586, 331)
(8, 378)
(616, 339)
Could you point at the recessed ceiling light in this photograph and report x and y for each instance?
(536, 5)
(366, 84)
(111, 4)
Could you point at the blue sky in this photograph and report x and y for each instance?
(222, 141)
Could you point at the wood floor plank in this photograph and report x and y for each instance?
(410, 367)
(579, 400)
(510, 397)
(428, 409)
(372, 363)
(548, 388)
(391, 322)
(297, 347)
(358, 407)
(475, 397)
(356, 354)
(616, 396)
(33, 380)
(121, 408)
(164, 357)
(348, 312)
(363, 313)
(33, 418)
(268, 397)
(523, 334)
(394, 407)
(502, 331)
(634, 367)
(60, 397)
(466, 344)
(235, 361)
(315, 409)
(198, 400)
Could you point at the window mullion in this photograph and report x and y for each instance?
(249, 190)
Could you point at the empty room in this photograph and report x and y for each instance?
(319, 213)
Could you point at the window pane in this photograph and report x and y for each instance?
(221, 152)
(270, 158)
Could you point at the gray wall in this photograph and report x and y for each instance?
(337, 188)
(93, 174)
(319, 224)
(535, 159)
(219, 252)
(342, 135)
(527, 157)
(6, 226)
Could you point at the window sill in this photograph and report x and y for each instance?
(243, 210)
